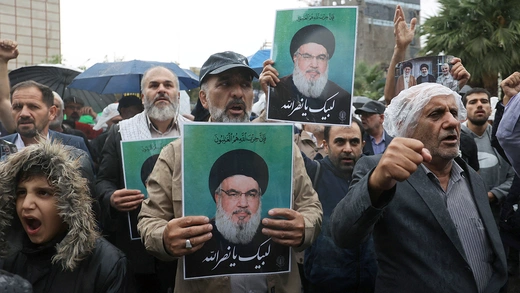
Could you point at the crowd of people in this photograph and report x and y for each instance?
(418, 194)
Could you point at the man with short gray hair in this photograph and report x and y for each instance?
(427, 210)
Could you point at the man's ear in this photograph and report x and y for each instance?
(325, 145)
(53, 111)
(203, 99)
(215, 197)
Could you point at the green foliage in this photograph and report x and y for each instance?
(55, 59)
(369, 81)
(484, 33)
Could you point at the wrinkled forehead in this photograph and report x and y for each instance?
(440, 101)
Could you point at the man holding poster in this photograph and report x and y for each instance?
(160, 118)
(227, 92)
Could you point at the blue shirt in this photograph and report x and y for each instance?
(380, 147)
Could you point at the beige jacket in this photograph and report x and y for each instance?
(165, 203)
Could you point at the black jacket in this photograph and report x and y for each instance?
(79, 260)
(104, 270)
(115, 223)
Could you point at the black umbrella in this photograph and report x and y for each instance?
(58, 77)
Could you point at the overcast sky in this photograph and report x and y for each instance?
(161, 30)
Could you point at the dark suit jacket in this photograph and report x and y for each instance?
(368, 149)
(65, 139)
(417, 245)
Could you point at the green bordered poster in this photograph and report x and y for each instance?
(314, 52)
(139, 158)
(234, 174)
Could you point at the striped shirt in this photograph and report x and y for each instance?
(467, 221)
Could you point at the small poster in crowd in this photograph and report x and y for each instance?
(139, 158)
(234, 174)
(425, 69)
(314, 52)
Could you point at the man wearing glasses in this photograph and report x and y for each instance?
(307, 95)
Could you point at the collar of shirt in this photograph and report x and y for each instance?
(456, 172)
(153, 129)
(20, 145)
(373, 139)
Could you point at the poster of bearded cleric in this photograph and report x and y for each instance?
(139, 158)
(234, 174)
(314, 51)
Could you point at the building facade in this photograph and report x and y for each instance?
(375, 40)
(35, 25)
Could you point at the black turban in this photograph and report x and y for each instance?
(238, 162)
(314, 33)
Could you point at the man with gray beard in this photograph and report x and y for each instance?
(160, 118)
(227, 92)
(307, 95)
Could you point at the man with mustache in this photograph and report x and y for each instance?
(327, 267)
(494, 169)
(160, 118)
(308, 95)
(226, 82)
(427, 210)
(32, 111)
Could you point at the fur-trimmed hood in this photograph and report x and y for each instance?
(74, 203)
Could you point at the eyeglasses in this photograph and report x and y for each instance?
(235, 193)
(309, 57)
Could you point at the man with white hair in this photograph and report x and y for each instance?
(308, 95)
(427, 210)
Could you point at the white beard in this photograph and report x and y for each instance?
(241, 232)
(312, 89)
(162, 114)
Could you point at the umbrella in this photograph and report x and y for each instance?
(58, 77)
(256, 61)
(192, 74)
(125, 77)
